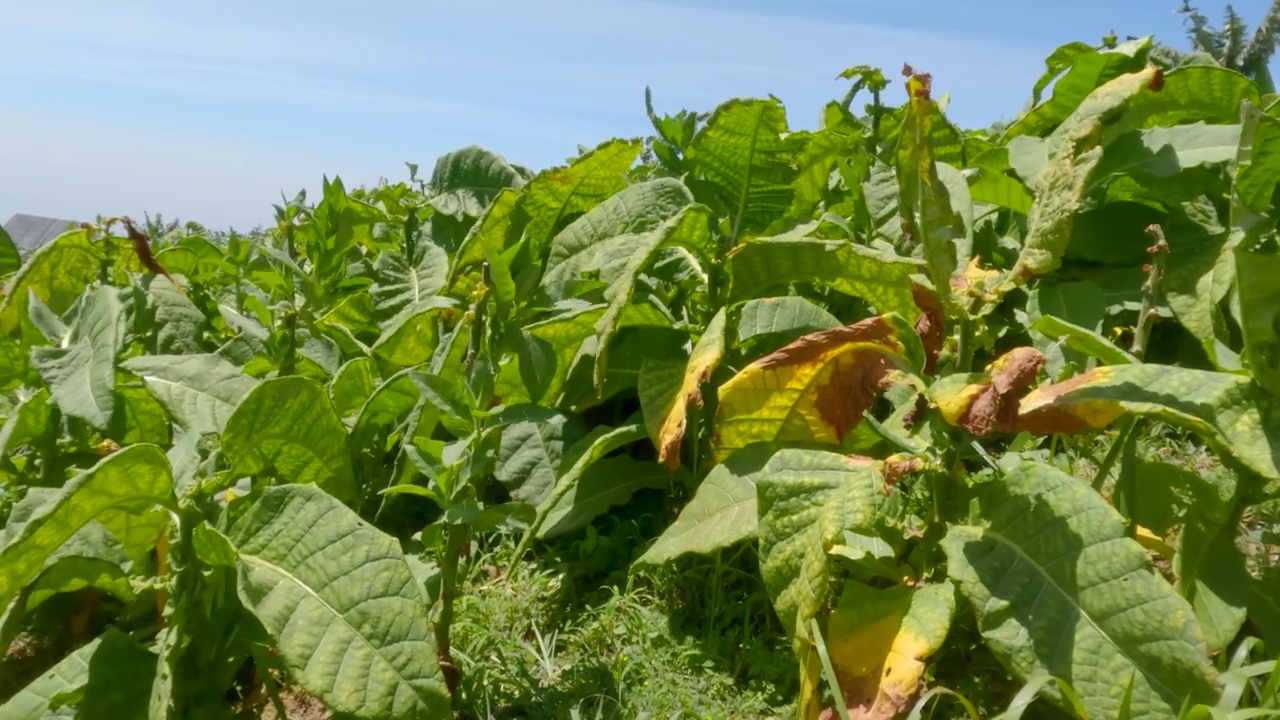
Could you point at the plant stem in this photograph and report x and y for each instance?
(455, 540)
(1150, 291)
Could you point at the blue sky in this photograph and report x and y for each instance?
(207, 110)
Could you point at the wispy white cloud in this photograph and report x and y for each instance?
(111, 103)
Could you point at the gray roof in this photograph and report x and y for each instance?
(32, 231)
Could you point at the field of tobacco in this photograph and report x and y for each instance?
(918, 373)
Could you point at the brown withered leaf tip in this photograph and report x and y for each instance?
(859, 461)
(913, 415)
(897, 467)
(996, 406)
(930, 326)
(810, 347)
(1157, 81)
(142, 248)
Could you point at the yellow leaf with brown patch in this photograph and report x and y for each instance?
(1230, 412)
(879, 640)
(989, 402)
(816, 388)
(706, 355)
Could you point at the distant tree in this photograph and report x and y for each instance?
(1231, 45)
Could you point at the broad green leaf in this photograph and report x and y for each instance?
(120, 675)
(341, 605)
(92, 557)
(10, 260)
(807, 498)
(35, 701)
(607, 482)
(545, 351)
(1079, 305)
(530, 453)
(1194, 286)
(199, 391)
(991, 183)
(882, 281)
(124, 484)
(722, 512)
(1157, 157)
(1225, 409)
(465, 181)
(28, 422)
(548, 350)
(821, 154)
(1074, 151)
(400, 289)
(601, 241)
(411, 339)
(57, 273)
(558, 195)
(1213, 577)
(781, 319)
(196, 258)
(13, 364)
(689, 229)
(1258, 167)
(1059, 60)
(577, 460)
(741, 154)
(352, 386)
(816, 389)
(496, 230)
(1027, 156)
(389, 404)
(1191, 93)
(1059, 587)
(879, 639)
(139, 418)
(632, 346)
(1088, 72)
(287, 426)
(81, 374)
(179, 324)
(338, 222)
(1258, 287)
(703, 360)
(355, 313)
(75, 572)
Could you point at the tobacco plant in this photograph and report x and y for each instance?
(874, 351)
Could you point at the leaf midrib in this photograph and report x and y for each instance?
(1050, 582)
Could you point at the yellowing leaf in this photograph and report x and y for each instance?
(879, 640)
(1229, 411)
(706, 355)
(816, 388)
(928, 215)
